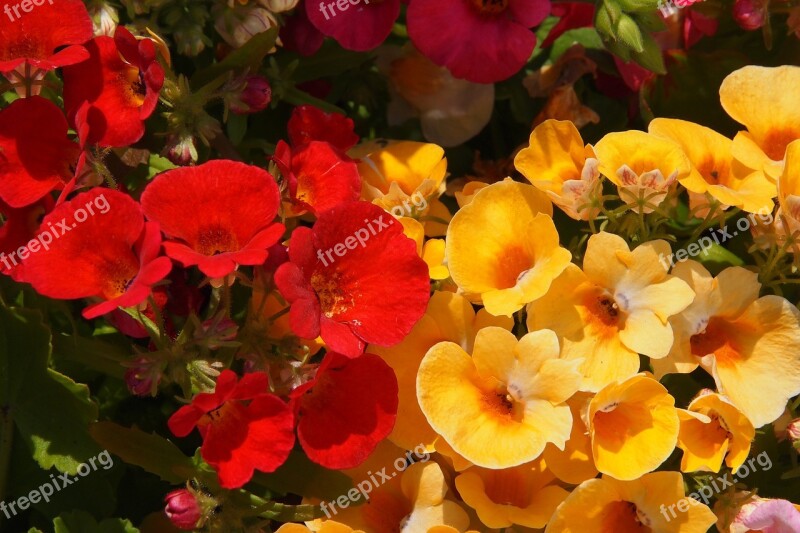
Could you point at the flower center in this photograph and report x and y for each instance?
(216, 240)
(716, 339)
(775, 142)
(624, 517)
(490, 7)
(511, 264)
(119, 275)
(332, 299)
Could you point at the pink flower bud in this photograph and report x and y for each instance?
(750, 14)
(182, 509)
(793, 430)
(256, 96)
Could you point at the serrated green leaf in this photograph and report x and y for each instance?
(153, 453)
(83, 522)
(50, 411)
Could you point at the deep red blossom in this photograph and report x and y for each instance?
(319, 176)
(35, 153)
(571, 15)
(18, 228)
(217, 215)
(359, 26)
(244, 427)
(121, 81)
(346, 410)
(352, 293)
(299, 35)
(34, 36)
(309, 123)
(111, 255)
(483, 41)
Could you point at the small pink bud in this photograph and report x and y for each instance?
(255, 97)
(142, 377)
(750, 14)
(182, 509)
(793, 430)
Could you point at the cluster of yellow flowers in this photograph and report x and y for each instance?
(527, 400)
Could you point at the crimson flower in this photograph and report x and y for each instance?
(33, 36)
(309, 123)
(19, 227)
(105, 251)
(35, 153)
(360, 26)
(319, 176)
(217, 215)
(483, 41)
(346, 410)
(121, 81)
(353, 278)
(244, 427)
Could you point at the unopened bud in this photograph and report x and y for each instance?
(750, 14)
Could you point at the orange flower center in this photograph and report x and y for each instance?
(717, 339)
(511, 264)
(119, 274)
(133, 81)
(774, 144)
(602, 313)
(509, 487)
(490, 7)
(714, 172)
(305, 191)
(332, 299)
(498, 401)
(623, 517)
(216, 240)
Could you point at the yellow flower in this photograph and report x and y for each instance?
(643, 166)
(713, 430)
(748, 344)
(574, 464)
(500, 407)
(328, 526)
(558, 163)
(607, 505)
(788, 217)
(633, 426)
(433, 255)
(522, 495)
(714, 170)
(613, 310)
(743, 95)
(503, 247)
(449, 317)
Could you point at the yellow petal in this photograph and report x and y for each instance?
(642, 153)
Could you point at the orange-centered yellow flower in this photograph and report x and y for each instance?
(500, 407)
(643, 166)
(714, 170)
(502, 248)
(607, 505)
(522, 495)
(558, 163)
(633, 426)
(750, 345)
(574, 464)
(713, 430)
(613, 310)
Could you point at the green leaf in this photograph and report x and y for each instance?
(291, 513)
(153, 453)
(82, 522)
(298, 475)
(237, 127)
(248, 56)
(51, 412)
(588, 37)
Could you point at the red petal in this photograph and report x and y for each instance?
(374, 22)
(309, 123)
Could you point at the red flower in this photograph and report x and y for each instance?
(346, 410)
(320, 176)
(359, 26)
(96, 245)
(35, 153)
(308, 123)
(696, 26)
(33, 36)
(121, 81)
(217, 215)
(18, 228)
(354, 279)
(482, 41)
(244, 427)
(299, 35)
(572, 15)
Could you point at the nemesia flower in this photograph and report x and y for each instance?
(742, 95)
(449, 317)
(713, 430)
(613, 310)
(445, 30)
(748, 344)
(18, 228)
(244, 427)
(634, 427)
(238, 203)
(451, 111)
(500, 407)
(346, 410)
(35, 150)
(607, 504)
(111, 255)
(574, 464)
(767, 516)
(319, 175)
(522, 495)
(374, 21)
(788, 216)
(714, 170)
(309, 123)
(519, 255)
(557, 163)
(642, 166)
(121, 81)
(298, 34)
(433, 255)
(353, 278)
(32, 37)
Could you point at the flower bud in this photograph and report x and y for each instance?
(793, 432)
(255, 96)
(183, 509)
(750, 14)
(143, 376)
(181, 150)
